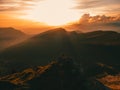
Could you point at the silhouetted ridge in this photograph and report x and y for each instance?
(101, 33)
(51, 32)
(9, 36)
(11, 31)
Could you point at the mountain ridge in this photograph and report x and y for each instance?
(9, 36)
(84, 47)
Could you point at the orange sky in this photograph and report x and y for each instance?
(25, 25)
(34, 15)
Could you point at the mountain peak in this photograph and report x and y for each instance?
(52, 32)
(7, 28)
(10, 30)
(58, 30)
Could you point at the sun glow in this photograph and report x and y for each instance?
(54, 12)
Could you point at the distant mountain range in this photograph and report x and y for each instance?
(86, 48)
(9, 36)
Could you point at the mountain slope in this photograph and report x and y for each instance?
(101, 38)
(87, 48)
(61, 74)
(9, 35)
(9, 32)
(43, 46)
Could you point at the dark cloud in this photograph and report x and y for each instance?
(114, 24)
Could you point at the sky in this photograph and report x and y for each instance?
(27, 14)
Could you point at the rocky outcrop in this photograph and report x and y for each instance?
(61, 74)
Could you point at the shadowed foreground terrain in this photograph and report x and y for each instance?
(61, 74)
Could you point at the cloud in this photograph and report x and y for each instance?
(101, 20)
(98, 22)
(84, 4)
(105, 6)
(87, 4)
(15, 5)
(86, 18)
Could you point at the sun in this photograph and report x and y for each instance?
(53, 12)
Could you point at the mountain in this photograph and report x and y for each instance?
(10, 32)
(9, 35)
(101, 37)
(87, 48)
(60, 74)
